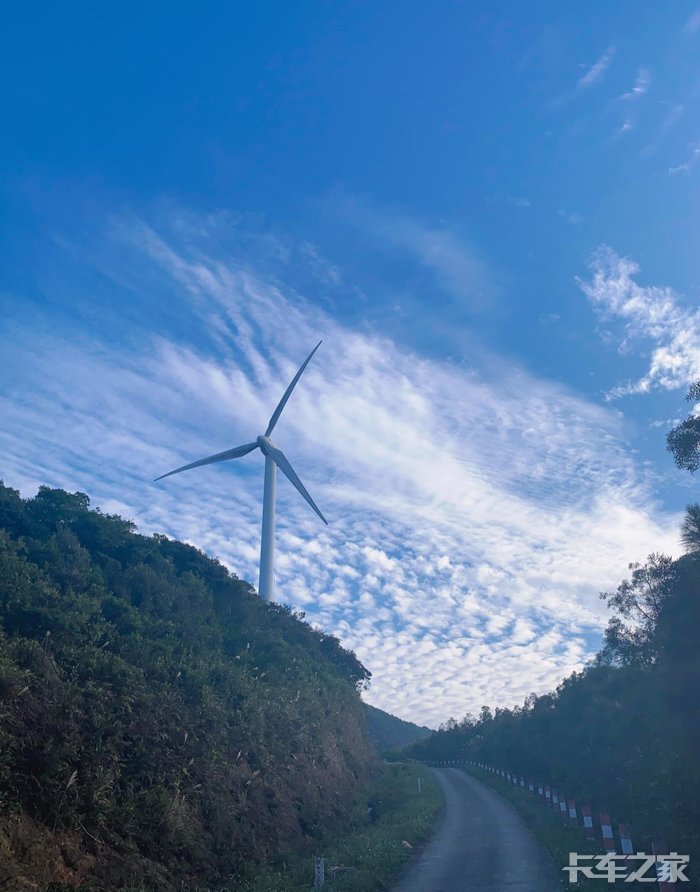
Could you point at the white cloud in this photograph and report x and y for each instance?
(688, 165)
(641, 86)
(671, 118)
(456, 266)
(572, 217)
(630, 102)
(474, 515)
(651, 312)
(597, 71)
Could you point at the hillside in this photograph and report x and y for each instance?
(158, 721)
(387, 732)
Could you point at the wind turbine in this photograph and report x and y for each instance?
(274, 458)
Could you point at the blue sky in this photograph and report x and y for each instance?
(488, 212)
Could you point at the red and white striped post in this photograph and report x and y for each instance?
(626, 840)
(573, 816)
(588, 821)
(606, 827)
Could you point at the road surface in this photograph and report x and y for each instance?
(480, 845)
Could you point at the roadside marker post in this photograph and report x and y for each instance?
(319, 873)
(606, 827)
(626, 840)
(573, 817)
(588, 821)
(562, 807)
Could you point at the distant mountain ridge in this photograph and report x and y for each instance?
(388, 732)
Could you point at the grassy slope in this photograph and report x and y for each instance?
(370, 857)
(158, 722)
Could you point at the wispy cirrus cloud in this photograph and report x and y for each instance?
(641, 86)
(629, 101)
(594, 74)
(672, 117)
(647, 312)
(457, 267)
(572, 217)
(688, 165)
(475, 513)
(597, 71)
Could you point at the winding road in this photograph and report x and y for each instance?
(480, 845)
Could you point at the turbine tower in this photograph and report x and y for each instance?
(274, 458)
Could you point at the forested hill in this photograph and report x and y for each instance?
(387, 732)
(624, 733)
(158, 721)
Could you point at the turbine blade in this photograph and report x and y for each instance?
(279, 458)
(288, 392)
(237, 452)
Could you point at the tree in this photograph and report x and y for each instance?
(690, 529)
(683, 441)
(629, 637)
(149, 697)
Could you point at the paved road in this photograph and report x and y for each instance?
(480, 845)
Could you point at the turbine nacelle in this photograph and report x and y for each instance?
(263, 442)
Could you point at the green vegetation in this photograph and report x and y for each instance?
(367, 859)
(388, 733)
(159, 723)
(624, 734)
(683, 441)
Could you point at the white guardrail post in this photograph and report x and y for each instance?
(319, 873)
